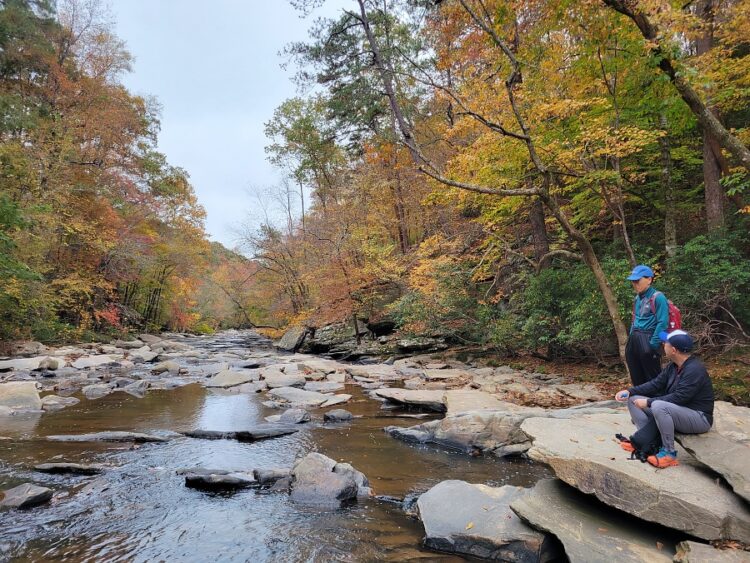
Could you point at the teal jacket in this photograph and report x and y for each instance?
(648, 320)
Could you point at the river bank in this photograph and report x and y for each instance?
(469, 421)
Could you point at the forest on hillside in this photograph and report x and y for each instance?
(486, 171)
(98, 232)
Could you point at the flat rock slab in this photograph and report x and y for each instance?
(582, 453)
(694, 552)
(320, 365)
(726, 447)
(277, 379)
(55, 402)
(20, 395)
(218, 480)
(430, 400)
(337, 415)
(136, 437)
(443, 374)
(74, 468)
(323, 386)
(299, 397)
(460, 400)
(379, 372)
(229, 378)
(336, 400)
(253, 435)
(86, 362)
(476, 520)
(25, 496)
(22, 364)
(588, 530)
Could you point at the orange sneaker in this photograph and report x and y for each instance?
(663, 459)
(625, 444)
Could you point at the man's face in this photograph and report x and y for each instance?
(641, 285)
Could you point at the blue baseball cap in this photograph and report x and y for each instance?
(641, 271)
(679, 339)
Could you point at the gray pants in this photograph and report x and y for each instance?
(669, 418)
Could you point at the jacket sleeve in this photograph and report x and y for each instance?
(654, 387)
(662, 319)
(688, 385)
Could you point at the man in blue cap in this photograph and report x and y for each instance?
(650, 317)
(680, 398)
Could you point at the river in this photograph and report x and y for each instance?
(140, 509)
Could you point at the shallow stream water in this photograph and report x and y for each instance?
(140, 509)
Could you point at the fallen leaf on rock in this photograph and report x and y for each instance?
(470, 525)
(659, 545)
(602, 530)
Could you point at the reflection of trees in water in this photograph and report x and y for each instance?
(163, 410)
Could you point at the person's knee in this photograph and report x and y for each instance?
(660, 407)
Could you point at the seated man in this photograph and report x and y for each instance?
(680, 398)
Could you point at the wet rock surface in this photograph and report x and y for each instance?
(476, 520)
(25, 496)
(74, 468)
(588, 530)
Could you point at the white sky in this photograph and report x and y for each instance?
(215, 69)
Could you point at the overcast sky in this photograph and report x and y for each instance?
(215, 69)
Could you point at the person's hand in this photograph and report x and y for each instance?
(622, 396)
(641, 403)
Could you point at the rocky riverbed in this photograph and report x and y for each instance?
(344, 451)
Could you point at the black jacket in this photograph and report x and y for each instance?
(690, 387)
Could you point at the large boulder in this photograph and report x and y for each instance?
(495, 432)
(292, 339)
(25, 496)
(476, 520)
(588, 530)
(429, 400)
(229, 378)
(319, 480)
(726, 447)
(582, 453)
(20, 395)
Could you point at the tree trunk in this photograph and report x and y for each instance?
(669, 65)
(670, 211)
(538, 231)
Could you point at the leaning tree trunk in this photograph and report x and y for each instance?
(670, 202)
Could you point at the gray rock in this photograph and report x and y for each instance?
(292, 339)
(294, 416)
(430, 400)
(128, 344)
(336, 400)
(168, 366)
(476, 520)
(726, 447)
(56, 403)
(150, 338)
(337, 415)
(21, 364)
(230, 378)
(694, 552)
(21, 395)
(137, 388)
(299, 397)
(115, 436)
(314, 481)
(143, 356)
(219, 480)
(267, 477)
(253, 435)
(25, 496)
(582, 453)
(275, 378)
(74, 468)
(97, 391)
(588, 530)
(323, 386)
(254, 387)
(51, 364)
(87, 362)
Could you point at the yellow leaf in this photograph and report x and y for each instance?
(470, 525)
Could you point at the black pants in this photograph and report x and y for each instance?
(644, 363)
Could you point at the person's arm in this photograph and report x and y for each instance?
(662, 319)
(688, 385)
(653, 387)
